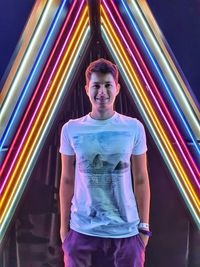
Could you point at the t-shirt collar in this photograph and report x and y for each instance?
(100, 122)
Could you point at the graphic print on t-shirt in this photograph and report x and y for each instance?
(104, 152)
(104, 163)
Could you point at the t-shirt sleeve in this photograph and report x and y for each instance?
(65, 145)
(140, 145)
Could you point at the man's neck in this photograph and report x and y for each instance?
(101, 115)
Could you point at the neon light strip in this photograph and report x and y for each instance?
(30, 144)
(29, 107)
(24, 40)
(41, 118)
(189, 164)
(9, 97)
(157, 34)
(151, 128)
(166, 141)
(34, 145)
(43, 134)
(148, 103)
(155, 119)
(163, 80)
(134, 82)
(31, 76)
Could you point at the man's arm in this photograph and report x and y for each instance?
(141, 188)
(66, 192)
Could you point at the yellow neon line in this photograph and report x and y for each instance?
(23, 181)
(194, 194)
(123, 52)
(172, 151)
(152, 24)
(26, 37)
(57, 86)
(25, 66)
(44, 119)
(177, 162)
(175, 80)
(65, 55)
(185, 196)
(180, 170)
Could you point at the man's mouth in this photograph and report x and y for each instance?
(101, 98)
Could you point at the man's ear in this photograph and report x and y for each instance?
(118, 88)
(86, 89)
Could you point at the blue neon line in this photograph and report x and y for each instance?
(32, 73)
(162, 78)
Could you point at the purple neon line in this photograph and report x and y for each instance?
(194, 176)
(48, 62)
(5, 180)
(175, 138)
(148, 87)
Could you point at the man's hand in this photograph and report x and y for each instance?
(63, 234)
(144, 238)
(66, 193)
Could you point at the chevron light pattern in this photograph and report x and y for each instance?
(38, 82)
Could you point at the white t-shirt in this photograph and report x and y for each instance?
(103, 203)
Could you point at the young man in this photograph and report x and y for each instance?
(109, 221)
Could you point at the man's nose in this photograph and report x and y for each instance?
(102, 90)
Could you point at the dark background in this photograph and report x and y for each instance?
(179, 21)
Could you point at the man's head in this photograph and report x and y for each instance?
(102, 85)
(102, 66)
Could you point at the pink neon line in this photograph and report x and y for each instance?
(11, 167)
(149, 76)
(152, 92)
(154, 96)
(46, 67)
(191, 170)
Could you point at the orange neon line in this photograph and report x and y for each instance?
(48, 96)
(180, 169)
(148, 106)
(31, 149)
(157, 35)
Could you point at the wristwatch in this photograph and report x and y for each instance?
(145, 232)
(144, 229)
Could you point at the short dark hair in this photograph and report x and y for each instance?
(102, 66)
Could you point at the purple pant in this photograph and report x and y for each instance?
(89, 251)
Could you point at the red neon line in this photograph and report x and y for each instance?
(29, 107)
(157, 92)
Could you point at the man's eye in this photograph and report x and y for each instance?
(96, 86)
(108, 85)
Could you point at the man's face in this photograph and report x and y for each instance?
(102, 91)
